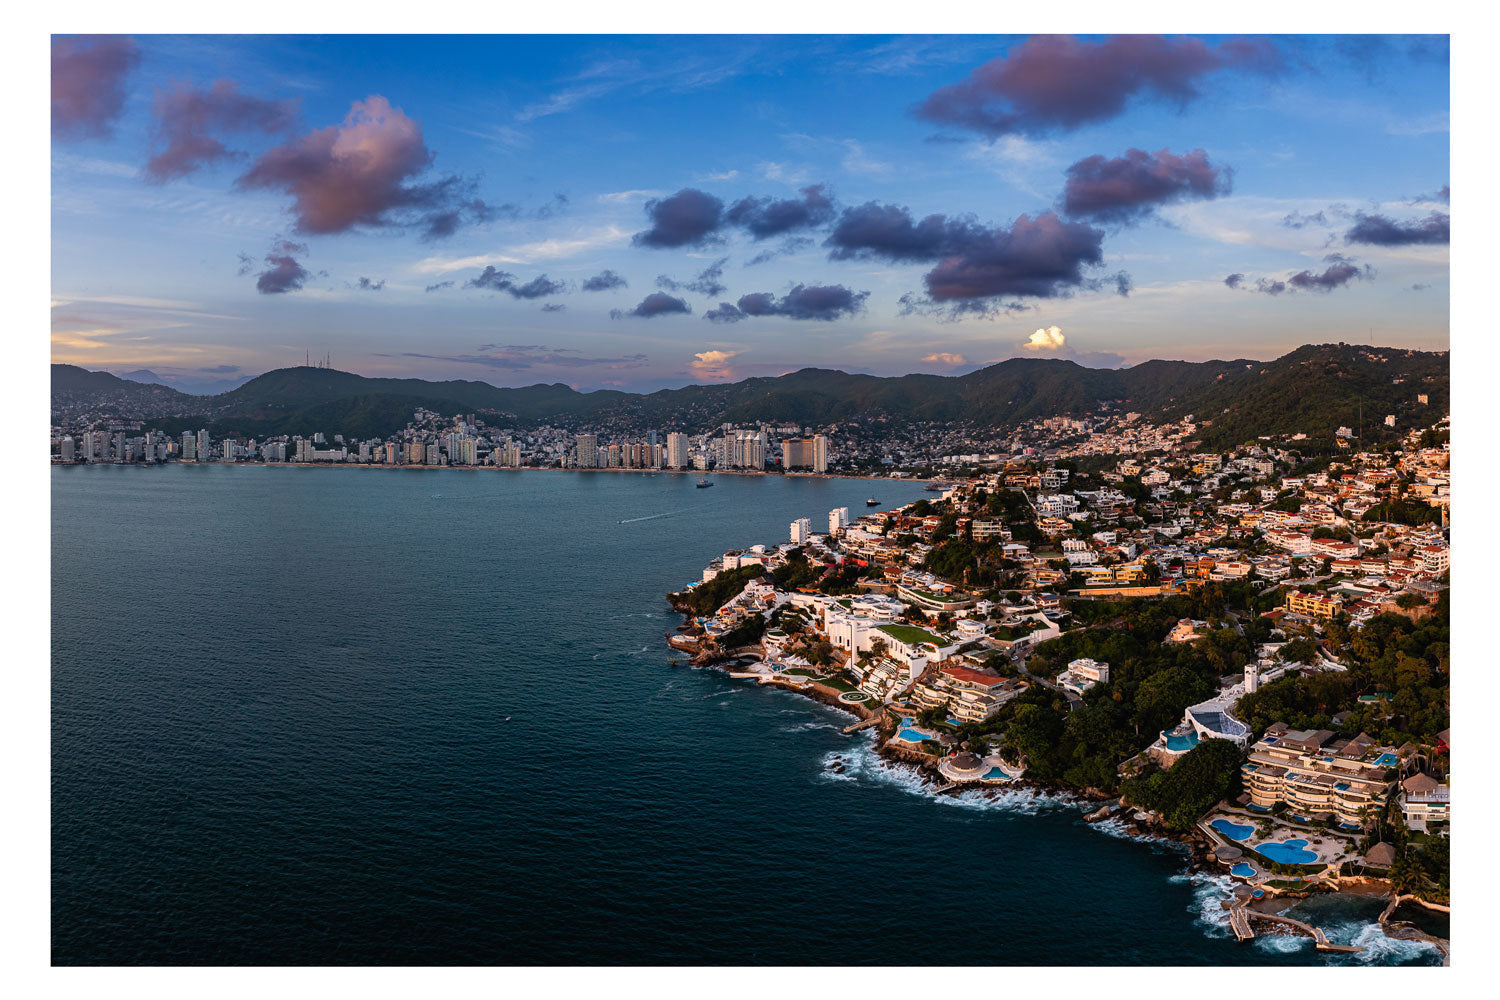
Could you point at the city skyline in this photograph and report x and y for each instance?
(641, 213)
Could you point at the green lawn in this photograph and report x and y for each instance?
(911, 635)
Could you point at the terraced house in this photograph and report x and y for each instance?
(1316, 779)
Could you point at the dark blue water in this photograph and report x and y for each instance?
(280, 736)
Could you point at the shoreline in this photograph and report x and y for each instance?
(498, 468)
(1199, 857)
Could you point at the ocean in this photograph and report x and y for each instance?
(371, 716)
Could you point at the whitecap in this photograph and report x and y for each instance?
(1116, 827)
(1210, 892)
(1378, 948)
(865, 763)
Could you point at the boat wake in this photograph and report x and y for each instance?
(653, 517)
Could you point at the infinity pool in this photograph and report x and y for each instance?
(1288, 852)
(1234, 831)
(1244, 869)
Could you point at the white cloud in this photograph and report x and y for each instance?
(713, 364)
(944, 358)
(1048, 339)
(527, 253)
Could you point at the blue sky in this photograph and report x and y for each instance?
(1314, 168)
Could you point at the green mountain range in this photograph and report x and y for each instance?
(1313, 390)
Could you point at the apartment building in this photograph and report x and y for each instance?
(1317, 778)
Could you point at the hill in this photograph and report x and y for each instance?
(1313, 390)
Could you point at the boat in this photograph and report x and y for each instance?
(704, 484)
(872, 502)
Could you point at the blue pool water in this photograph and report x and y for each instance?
(911, 733)
(1234, 831)
(1387, 760)
(1177, 744)
(996, 774)
(1288, 852)
(1244, 869)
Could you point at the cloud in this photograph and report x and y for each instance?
(1298, 220)
(88, 83)
(1048, 339)
(366, 285)
(944, 358)
(185, 120)
(1382, 231)
(439, 286)
(1039, 256)
(603, 282)
(687, 218)
(763, 218)
(361, 173)
(789, 245)
(503, 281)
(1341, 271)
(1058, 82)
(1128, 187)
(282, 274)
(807, 302)
(706, 283)
(713, 365)
(554, 307)
(655, 304)
(517, 357)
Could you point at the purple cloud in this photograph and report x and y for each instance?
(1127, 187)
(603, 282)
(687, 218)
(1382, 231)
(807, 302)
(361, 173)
(655, 304)
(1059, 82)
(503, 281)
(1340, 272)
(186, 119)
(282, 274)
(706, 283)
(1234, 280)
(366, 285)
(88, 83)
(767, 217)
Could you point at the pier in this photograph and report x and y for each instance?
(1240, 916)
(862, 724)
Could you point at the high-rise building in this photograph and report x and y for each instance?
(838, 520)
(820, 453)
(205, 450)
(801, 531)
(67, 448)
(797, 453)
(677, 450)
(189, 447)
(588, 451)
(228, 453)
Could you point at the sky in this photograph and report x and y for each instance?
(648, 212)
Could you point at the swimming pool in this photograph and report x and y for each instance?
(1244, 869)
(910, 733)
(1234, 831)
(1177, 744)
(1288, 852)
(1387, 760)
(995, 774)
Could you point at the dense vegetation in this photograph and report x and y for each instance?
(1390, 656)
(1204, 775)
(706, 598)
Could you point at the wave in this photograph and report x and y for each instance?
(863, 763)
(1117, 828)
(804, 727)
(1378, 949)
(1209, 894)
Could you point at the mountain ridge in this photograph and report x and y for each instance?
(1323, 386)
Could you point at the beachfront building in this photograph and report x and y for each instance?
(1424, 800)
(1083, 674)
(1317, 777)
(915, 647)
(966, 693)
(801, 531)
